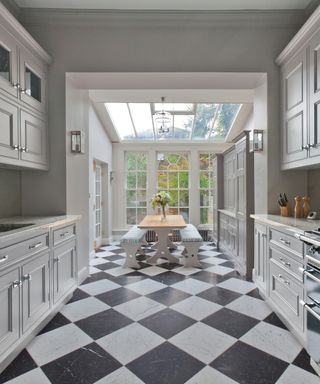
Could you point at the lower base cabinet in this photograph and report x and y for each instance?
(64, 267)
(260, 256)
(10, 308)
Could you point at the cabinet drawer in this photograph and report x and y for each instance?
(286, 241)
(287, 294)
(24, 248)
(64, 234)
(288, 263)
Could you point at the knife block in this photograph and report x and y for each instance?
(284, 211)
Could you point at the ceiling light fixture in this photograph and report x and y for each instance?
(163, 120)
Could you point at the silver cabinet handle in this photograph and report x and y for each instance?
(37, 245)
(57, 259)
(286, 242)
(15, 147)
(16, 85)
(4, 258)
(64, 234)
(284, 262)
(312, 145)
(264, 235)
(304, 147)
(16, 283)
(27, 277)
(23, 90)
(24, 149)
(287, 282)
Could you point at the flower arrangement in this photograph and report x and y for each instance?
(161, 199)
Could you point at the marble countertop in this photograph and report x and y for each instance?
(287, 223)
(38, 223)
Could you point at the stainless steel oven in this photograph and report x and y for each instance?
(312, 286)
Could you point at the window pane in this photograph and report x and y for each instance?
(142, 120)
(203, 120)
(131, 180)
(162, 180)
(131, 198)
(141, 161)
(173, 211)
(204, 198)
(142, 180)
(4, 63)
(173, 180)
(141, 198)
(224, 120)
(183, 162)
(184, 199)
(185, 213)
(174, 198)
(131, 161)
(131, 216)
(204, 215)
(204, 161)
(142, 212)
(184, 179)
(204, 179)
(33, 84)
(119, 114)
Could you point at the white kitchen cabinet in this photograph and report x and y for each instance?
(23, 97)
(260, 256)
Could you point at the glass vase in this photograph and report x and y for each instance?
(163, 213)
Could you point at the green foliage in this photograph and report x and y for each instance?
(225, 119)
(161, 198)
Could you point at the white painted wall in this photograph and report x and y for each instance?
(100, 149)
(10, 193)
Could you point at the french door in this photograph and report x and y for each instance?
(98, 206)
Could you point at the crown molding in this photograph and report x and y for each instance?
(306, 32)
(12, 7)
(13, 26)
(169, 19)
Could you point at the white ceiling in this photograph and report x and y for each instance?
(214, 5)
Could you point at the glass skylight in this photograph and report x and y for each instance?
(191, 121)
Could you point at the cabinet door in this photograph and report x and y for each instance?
(260, 255)
(9, 314)
(33, 139)
(64, 264)
(33, 79)
(314, 128)
(241, 181)
(35, 290)
(294, 110)
(9, 134)
(8, 64)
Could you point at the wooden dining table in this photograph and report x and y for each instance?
(162, 229)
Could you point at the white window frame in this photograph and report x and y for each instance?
(209, 189)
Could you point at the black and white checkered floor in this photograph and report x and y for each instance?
(163, 324)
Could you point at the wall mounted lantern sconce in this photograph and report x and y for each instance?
(77, 141)
(256, 140)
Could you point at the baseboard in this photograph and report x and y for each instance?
(315, 366)
(83, 274)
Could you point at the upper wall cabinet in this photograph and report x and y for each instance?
(23, 97)
(300, 90)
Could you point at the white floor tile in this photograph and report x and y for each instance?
(120, 376)
(97, 261)
(219, 270)
(130, 342)
(153, 270)
(139, 308)
(187, 271)
(203, 342)
(209, 253)
(237, 285)
(93, 270)
(192, 286)
(36, 376)
(251, 306)
(214, 260)
(196, 307)
(99, 286)
(110, 247)
(119, 271)
(273, 340)
(210, 375)
(104, 254)
(83, 308)
(52, 345)
(296, 375)
(144, 287)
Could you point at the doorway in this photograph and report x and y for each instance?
(100, 197)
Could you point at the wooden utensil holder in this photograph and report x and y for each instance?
(284, 211)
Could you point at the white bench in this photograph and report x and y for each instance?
(191, 240)
(131, 242)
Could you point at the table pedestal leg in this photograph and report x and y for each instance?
(162, 250)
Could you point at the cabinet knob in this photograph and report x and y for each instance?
(304, 147)
(24, 91)
(24, 149)
(16, 85)
(57, 260)
(4, 258)
(27, 277)
(37, 245)
(15, 147)
(16, 283)
(312, 145)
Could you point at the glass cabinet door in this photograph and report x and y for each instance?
(32, 84)
(8, 64)
(5, 71)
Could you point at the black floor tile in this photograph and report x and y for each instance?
(103, 323)
(207, 277)
(167, 322)
(303, 361)
(274, 320)
(58, 321)
(219, 295)
(165, 364)
(130, 278)
(106, 266)
(255, 293)
(168, 296)
(94, 277)
(112, 258)
(248, 365)
(233, 323)
(168, 278)
(170, 266)
(117, 296)
(20, 365)
(78, 294)
(83, 366)
(99, 250)
(228, 264)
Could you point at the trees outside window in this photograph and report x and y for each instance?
(136, 186)
(173, 177)
(206, 188)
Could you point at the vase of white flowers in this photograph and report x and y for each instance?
(161, 199)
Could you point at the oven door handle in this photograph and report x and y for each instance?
(313, 313)
(309, 273)
(308, 240)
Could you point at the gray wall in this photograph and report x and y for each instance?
(314, 189)
(10, 193)
(145, 41)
